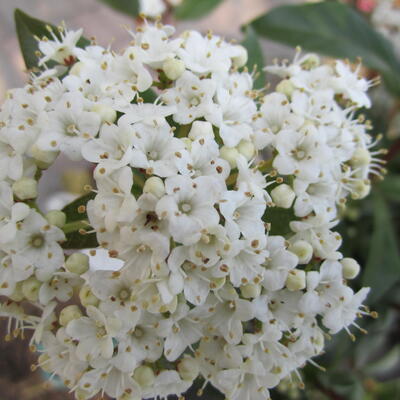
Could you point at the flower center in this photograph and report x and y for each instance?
(185, 207)
(71, 130)
(123, 294)
(101, 332)
(37, 240)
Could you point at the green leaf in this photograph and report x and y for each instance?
(383, 266)
(27, 27)
(193, 9)
(75, 240)
(334, 29)
(256, 57)
(128, 7)
(71, 210)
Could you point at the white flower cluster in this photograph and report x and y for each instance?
(386, 18)
(219, 199)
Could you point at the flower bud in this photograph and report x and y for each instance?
(250, 291)
(81, 394)
(30, 288)
(68, 314)
(188, 369)
(144, 376)
(201, 129)
(286, 87)
(43, 159)
(229, 154)
(77, 263)
(311, 61)
(56, 218)
(187, 142)
(283, 196)
(241, 59)
(296, 280)
(361, 157)
(246, 149)
(155, 186)
(87, 298)
(25, 188)
(173, 68)
(217, 283)
(76, 68)
(361, 190)
(106, 113)
(44, 363)
(17, 295)
(303, 251)
(351, 268)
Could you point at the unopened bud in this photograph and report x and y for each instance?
(361, 157)
(77, 263)
(106, 113)
(56, 218)
(188, 369)
(43, 159)
(229, 154)
(286, 87)
(250, 291)
(303, 251)
(81, 394)
(144, 376)
(87, 298)
(17, 295)
(155, 186)
(68, 314)
(173, 68)
(246, 149)
(351, 268)
(30, 288)
(44, 363)
(283, 196)
(25, 188)
(240, 60)
(311, 61)
(76, 68)
(187, 142)
(296, 280)
(361, 190)
(201, 129)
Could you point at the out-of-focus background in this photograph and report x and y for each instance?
(366, 370)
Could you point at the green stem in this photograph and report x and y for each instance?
(75, 226)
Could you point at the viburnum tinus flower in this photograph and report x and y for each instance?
(187, 193)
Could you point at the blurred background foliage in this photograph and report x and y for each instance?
(369, 368)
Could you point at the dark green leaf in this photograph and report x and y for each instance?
(256, 57)
(193, 9)
(128, 7)
(71, 210)
(75, 240)
(333, 29)
(279, 218)
(383, 266)
(27, 27)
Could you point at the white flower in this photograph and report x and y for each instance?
(61, 47)
(151, 8)
(36, 244)
(192, 97)
(155, 149)
(189, 207)
(95, 334)
(69, 127)
(243, 214)
(203, 55)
